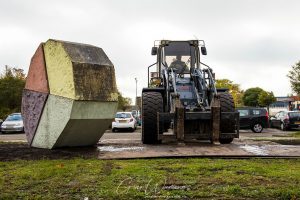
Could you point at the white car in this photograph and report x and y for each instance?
(124, 120)
(13, 123)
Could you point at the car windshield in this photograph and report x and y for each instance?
(123, 115)
(294, 114)
(14, 118)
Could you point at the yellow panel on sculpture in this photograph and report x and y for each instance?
(59, 70)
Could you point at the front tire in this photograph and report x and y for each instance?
(282, 127)
(257, 128)
(152, 103)
(227, 125)
(227, 105)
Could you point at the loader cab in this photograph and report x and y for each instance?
(168, 52)
(178, 55)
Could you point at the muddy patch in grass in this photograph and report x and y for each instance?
(287, 141)
(21, 151)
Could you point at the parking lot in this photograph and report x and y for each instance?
(122, 145)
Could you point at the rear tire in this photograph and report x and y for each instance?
(271, 124)
(152, 102)
(225, 140)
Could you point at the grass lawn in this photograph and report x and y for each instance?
(153, 179)
(296, 135)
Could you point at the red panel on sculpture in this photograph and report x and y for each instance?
(37, 76)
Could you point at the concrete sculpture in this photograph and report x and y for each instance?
(70, 96)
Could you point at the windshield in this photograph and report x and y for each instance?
(173, 59)
(14, 118)
(179, 54)
(123, 115)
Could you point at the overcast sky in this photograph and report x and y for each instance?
(254, 43)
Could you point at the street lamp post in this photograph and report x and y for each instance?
(135, 90)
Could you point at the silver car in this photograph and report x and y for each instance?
(13, 123)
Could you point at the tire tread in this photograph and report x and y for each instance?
(152, 103)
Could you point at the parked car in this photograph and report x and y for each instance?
(13, 123)
(285, 120)
(136, 114)
(124, 120)
(253, 118)
(0, 124)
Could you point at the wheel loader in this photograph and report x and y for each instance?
(181, 102)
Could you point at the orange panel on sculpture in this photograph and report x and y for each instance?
(37, 76)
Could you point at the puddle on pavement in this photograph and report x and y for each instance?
(118, 149)
(255, 149)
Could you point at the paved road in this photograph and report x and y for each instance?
(128, 145)
(129, 137)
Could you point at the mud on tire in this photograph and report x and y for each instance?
(152, 102)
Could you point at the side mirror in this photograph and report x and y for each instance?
(154, 51)
(203, 51)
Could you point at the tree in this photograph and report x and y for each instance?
(123, 102)
(265, 99)
(234, 90)
(294, 76)
(12, 83)
(250, 97)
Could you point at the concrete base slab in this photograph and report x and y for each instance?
(125, 145)
(128, 145)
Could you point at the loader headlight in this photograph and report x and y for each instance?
(155, 81)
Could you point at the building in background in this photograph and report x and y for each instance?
(285, 104)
